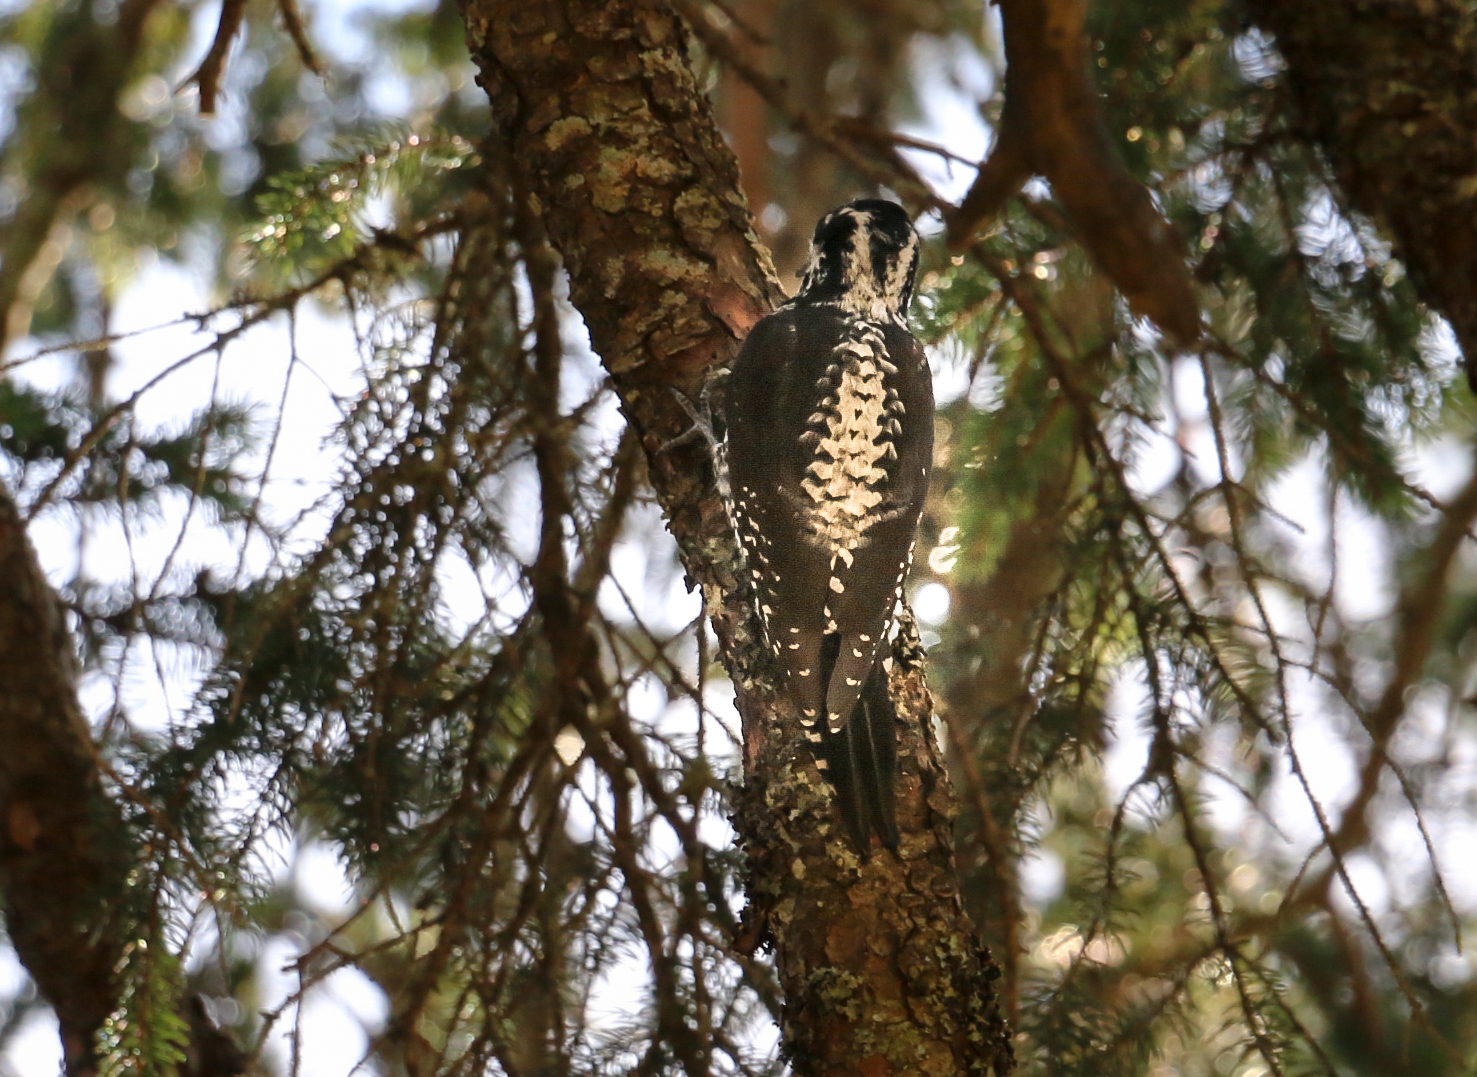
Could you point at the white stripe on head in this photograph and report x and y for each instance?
(844, 273)
(901, 274)
(858, 272)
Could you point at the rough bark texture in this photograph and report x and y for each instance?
(601, 114)
(64, 855)
(1388, 89)
(1051, 127)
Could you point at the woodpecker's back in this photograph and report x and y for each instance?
(829, 411)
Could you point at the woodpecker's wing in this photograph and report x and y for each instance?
(768, 398)
(830, 434)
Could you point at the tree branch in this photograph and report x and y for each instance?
(208, 75)
(1417, 620)
(1051, 127)
(65, 853)
(1388, 89)
(75, 136)
(880, 164)
(609, 132)
(292, 22)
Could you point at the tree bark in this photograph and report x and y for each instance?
(66, 852)
(1388, 89)
(601, 114)
(64, 849)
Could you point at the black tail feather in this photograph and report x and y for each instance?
(881, 724)
(861, 761)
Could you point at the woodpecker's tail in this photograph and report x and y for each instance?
(861, 761)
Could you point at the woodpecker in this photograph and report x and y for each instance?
(828, 442)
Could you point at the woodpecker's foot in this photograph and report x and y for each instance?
(702, 424)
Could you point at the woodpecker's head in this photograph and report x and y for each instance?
(863, 257)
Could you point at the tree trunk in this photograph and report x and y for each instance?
(1388, 89)
(601, 114)
(64, 851)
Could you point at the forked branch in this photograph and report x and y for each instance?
(1051, 127)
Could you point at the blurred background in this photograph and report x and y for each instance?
(1192, 617)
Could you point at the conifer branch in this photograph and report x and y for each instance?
(77, 139)
(1051, 126)
(1388, 89)
(668, 275)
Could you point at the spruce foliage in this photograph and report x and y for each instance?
(465, 671)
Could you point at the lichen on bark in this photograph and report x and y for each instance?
(600, 114)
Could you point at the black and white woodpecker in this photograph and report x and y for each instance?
(829, 417)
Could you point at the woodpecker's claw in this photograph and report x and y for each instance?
(702, 425)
